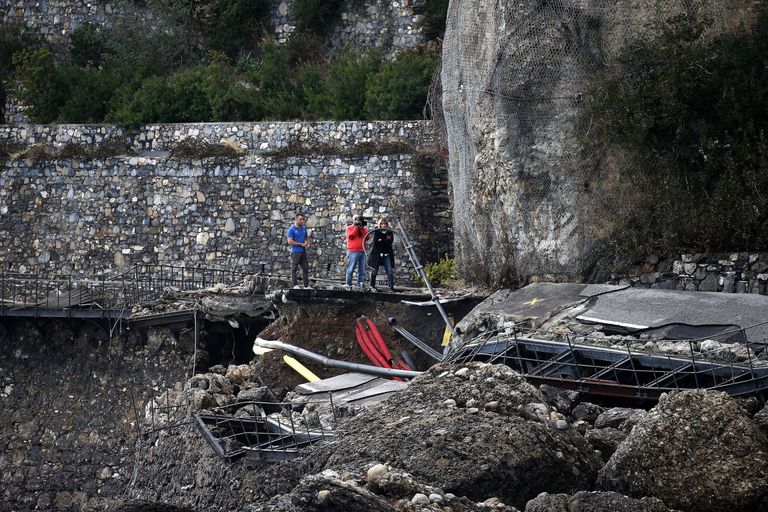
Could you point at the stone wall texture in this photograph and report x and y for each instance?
(80, 214)
(391, 26)
(726, 272)
(72, 402)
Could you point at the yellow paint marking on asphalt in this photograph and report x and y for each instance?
(533, 302)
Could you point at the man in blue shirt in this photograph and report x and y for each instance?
(298, 239)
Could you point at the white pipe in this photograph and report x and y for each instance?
(362, 368)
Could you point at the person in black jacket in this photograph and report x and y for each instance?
(382, 253)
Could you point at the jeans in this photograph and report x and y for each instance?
(387, 262)
(356, 259)
(299, 259)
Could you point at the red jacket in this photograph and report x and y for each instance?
(355, 236)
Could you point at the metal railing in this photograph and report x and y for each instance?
(627, 373)
(149, 282)
(265, 431)
(42, 294)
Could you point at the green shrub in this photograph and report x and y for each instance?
(234, 27)
(399, 89)
(87, 46)
(13, 39)
(42, 88)
(340, 94)
(230, 98)
(439, 273)
(160, 45)
(281, 96)
(691, 109)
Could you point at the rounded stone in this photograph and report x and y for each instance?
(376, 472)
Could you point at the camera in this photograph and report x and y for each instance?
(361, 221)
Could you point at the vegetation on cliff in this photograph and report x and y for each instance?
(690, 108)
(180, 61)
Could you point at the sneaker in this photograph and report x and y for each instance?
(346, 286)
(297, 287)
(373, 289)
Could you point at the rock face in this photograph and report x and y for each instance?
(362, 492)
(512, 76)
(696, 450)
(466, 430)
(68, 398)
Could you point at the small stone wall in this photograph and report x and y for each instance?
(386, 25)
(722, 272)
(389, 25)
(90, 215)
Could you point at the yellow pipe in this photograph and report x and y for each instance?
(300, 369)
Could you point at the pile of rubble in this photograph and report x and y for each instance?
(479, 437)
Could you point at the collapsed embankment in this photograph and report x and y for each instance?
(67, 426)
(72, 401)
(464, 437)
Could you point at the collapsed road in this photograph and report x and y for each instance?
(465, 434)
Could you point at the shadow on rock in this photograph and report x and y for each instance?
(477, 431)
(696, 450)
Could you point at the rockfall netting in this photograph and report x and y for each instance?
(531, 198)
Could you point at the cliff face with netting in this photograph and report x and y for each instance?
(513, 78)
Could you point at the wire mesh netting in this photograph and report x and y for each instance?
(531, 198)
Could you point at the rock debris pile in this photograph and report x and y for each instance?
(479, 437)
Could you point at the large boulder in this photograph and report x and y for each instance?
(696, 450)
(466, 430)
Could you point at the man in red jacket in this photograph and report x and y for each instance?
(355, 253)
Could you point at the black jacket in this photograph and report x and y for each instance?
(382, 247)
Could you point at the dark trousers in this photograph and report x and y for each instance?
(387, 262)
(299, 259)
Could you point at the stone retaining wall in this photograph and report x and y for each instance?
(89, 215)
(392, 26)
(716, 272)
(383, 24)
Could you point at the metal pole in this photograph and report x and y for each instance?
(363, 368)
(420, 269)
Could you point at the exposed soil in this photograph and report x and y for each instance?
(328, 328)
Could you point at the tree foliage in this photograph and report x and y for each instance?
(399, 89)
(208, 60)
(691, 107)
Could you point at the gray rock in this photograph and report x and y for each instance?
(495, 446)
(586, 411)
(761, 419)
(619, 417)
(696, 450)
(605, 440)
(584, 501)
(561, 399)
(711, 283)
(256, 394)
